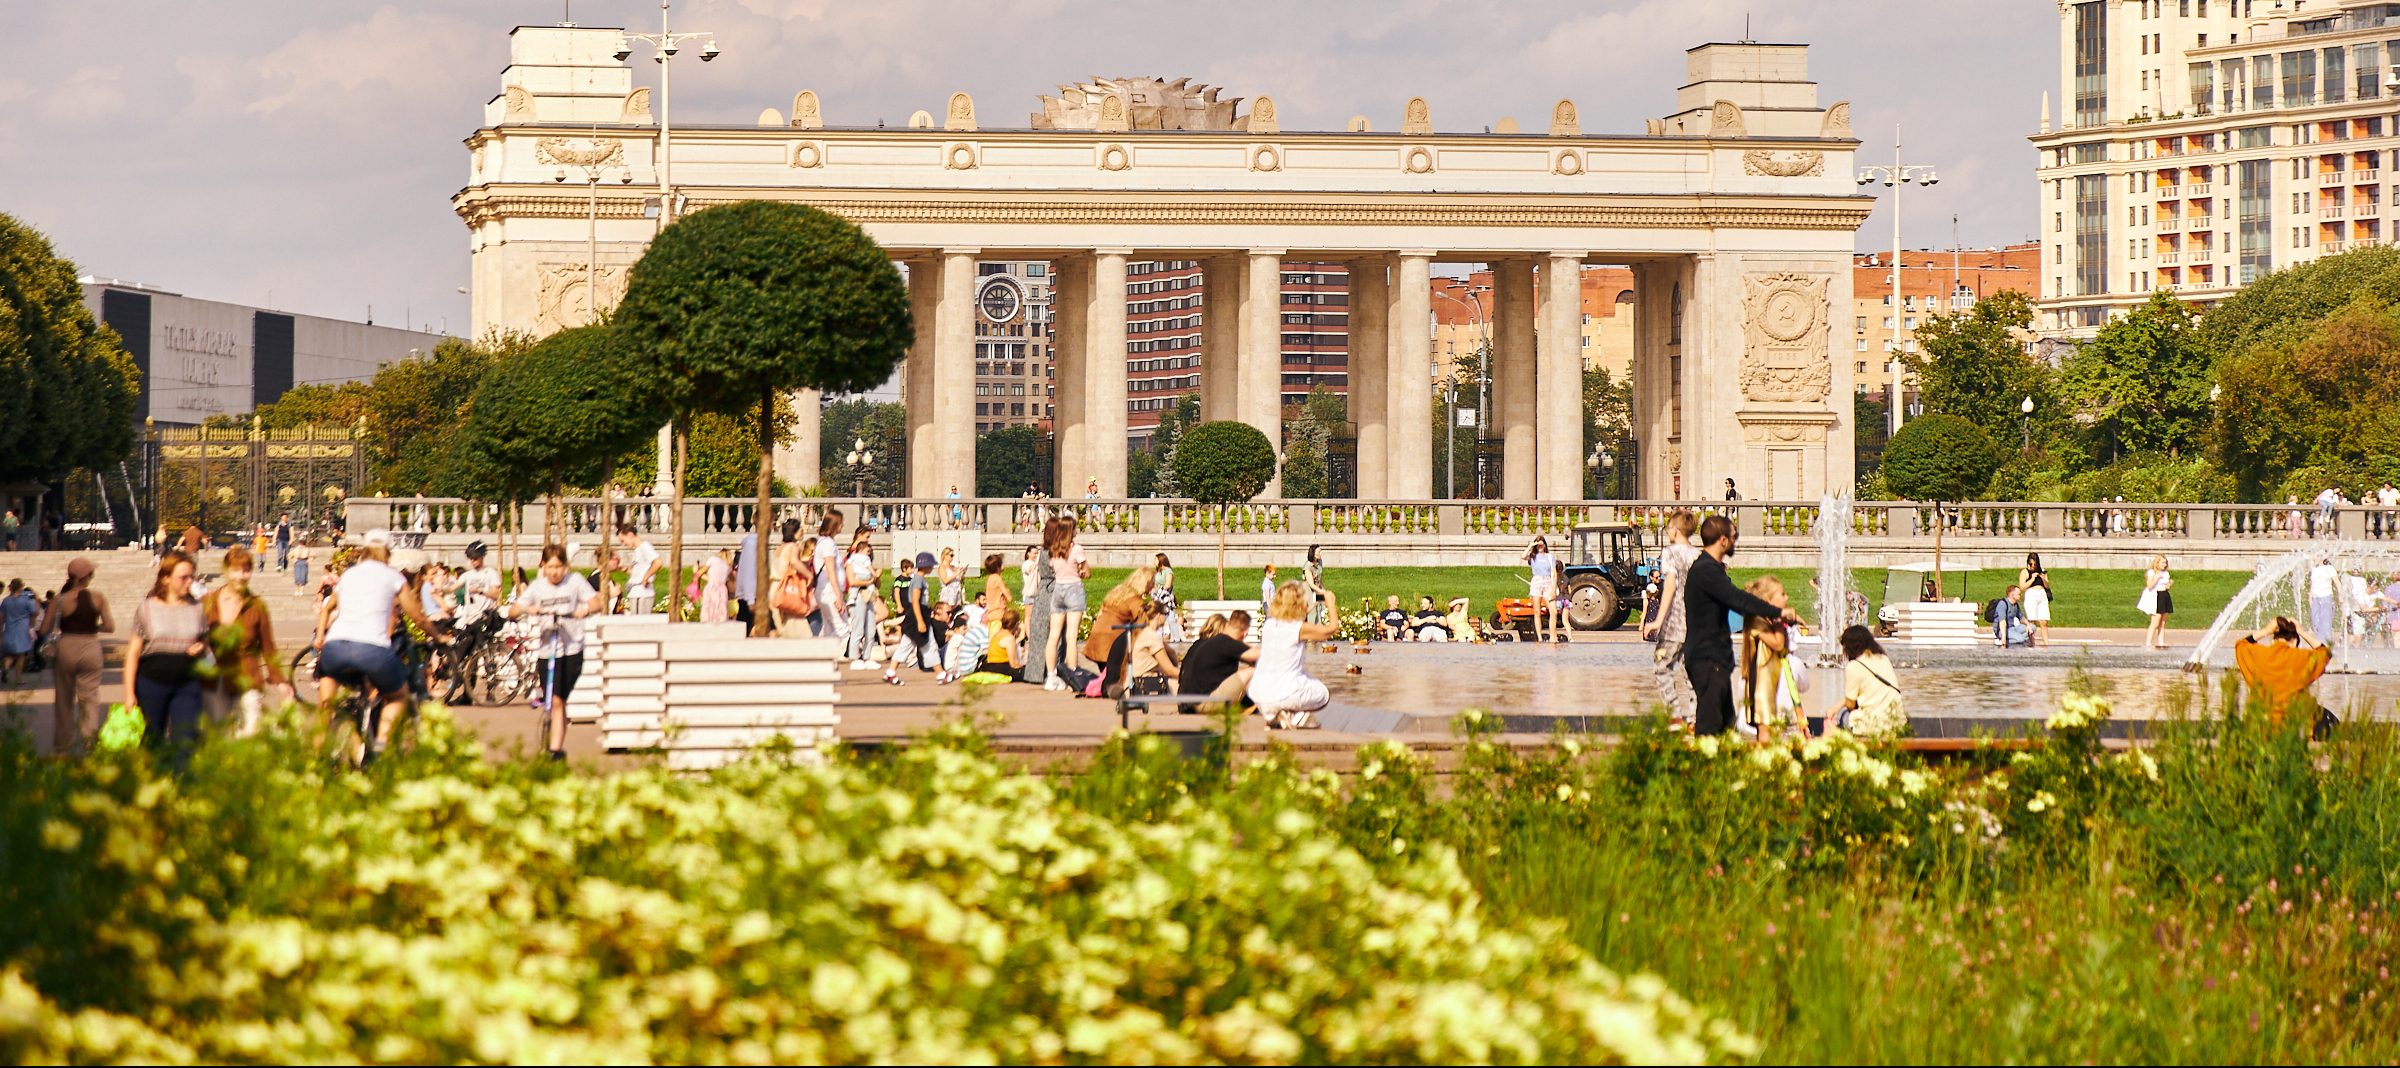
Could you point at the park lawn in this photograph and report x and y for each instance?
(2085, 597)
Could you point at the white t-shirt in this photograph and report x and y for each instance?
(859, 568)
(642, 565)
(2320, 580)
(557, 603)
(2388, 497)
(484, 581)
(827, 563)
(1675, 561)
(364, 615)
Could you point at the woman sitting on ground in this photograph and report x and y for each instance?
(1006, 654)
(1281, 686)
(1219, 663)
(1870, 689)
(1116, 611)
(2279, 663)
(1149, 666)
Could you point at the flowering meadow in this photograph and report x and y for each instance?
(2230, 894)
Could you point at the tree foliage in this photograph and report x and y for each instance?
(1973, 363)
(1939, 458)
(2284, 307)
(1608, 425)
(1223, 462)
(1151, 472)
(67, 387)
(2327, 402)
(884, 427)
(2142, 384)
(1008, 459)
(413, 413)
(554, 414)
(1309, 428)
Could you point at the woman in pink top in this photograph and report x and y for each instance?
(1067, 603)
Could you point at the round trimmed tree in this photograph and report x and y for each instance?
(1223, 464)
(733, 305)
(1942, 459)
(557, 414)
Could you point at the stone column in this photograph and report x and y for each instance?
(1221, 338)
(1103, 457)
(1261, 403)
(1711, 385)
(918, 382)
(954, 376)
(797, 460)
(1409, 374)
(1514, 398)
(1070, 342)
(1558, 379)
(1370, 377)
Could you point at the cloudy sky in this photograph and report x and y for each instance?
(300, 153)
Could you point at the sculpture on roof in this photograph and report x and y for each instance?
(1150, 104)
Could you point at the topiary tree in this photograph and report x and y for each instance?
(554, 415)
(1223, 464)
(1942, 459)
(734, 305)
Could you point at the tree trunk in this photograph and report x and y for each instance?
(608, 525)
(1938, 524)
(1220, 552)
(762, 614)
(683, 456)
(556, 521)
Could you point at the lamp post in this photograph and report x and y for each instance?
(1897, 176)
(860, 459)
(666, 42)
(592, 173)
(1600, 461)
(2027, 408)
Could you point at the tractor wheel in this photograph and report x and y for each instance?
(1592, 605)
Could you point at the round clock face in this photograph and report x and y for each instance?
(1001, 300)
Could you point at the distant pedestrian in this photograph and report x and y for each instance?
(1281, 686)
(1666, 626)
(1312, 582)
(1541, 587)
(8, 531)
(169, 634)
(1068, 569)
(1266, 588)
(860, 578)
(641, 571)
(283, 542)
(1162, 590)
(1731, 493)
(2157, 601)
(2295, 521)
(79, 616)
(2034, 581)
(832, 579)
(2323, 580)
(1709, 598)
(19, 611)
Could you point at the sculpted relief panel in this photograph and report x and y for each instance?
(1784, 357)
(563, 301)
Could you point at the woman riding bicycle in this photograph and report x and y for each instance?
(355, 625)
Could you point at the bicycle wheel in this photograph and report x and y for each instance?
(304, 670)
(501, 675)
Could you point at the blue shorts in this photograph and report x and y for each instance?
(356, 664)
(1067, 597)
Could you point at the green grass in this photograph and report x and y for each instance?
(2086, 597)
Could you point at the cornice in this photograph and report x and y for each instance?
(1017, 207)
(1096, 138)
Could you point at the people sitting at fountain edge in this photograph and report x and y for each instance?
(2007, 616)
(1394, 622)
(1281, 686)
(1870, 690)
(1464, 626)
(1219, 664)
(1430, 624)
(2279, 664)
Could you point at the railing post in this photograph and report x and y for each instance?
(1303, 517)
(2200, 522)
(2049, 520)
(1450, 519)
(1150, 518)
(2351, 523)
(1749, 520)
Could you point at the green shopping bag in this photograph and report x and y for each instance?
(123, 729)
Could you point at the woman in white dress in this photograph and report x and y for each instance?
(1542, 589)
(1281, 686)
(2036, 583)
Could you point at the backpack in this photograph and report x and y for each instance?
(796, 595)
(1991, 610)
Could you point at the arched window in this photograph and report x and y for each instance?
(1675, 316)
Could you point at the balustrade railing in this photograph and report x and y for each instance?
(1782, 521)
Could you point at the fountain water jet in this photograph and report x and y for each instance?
(2280, 588)
(1833, 575)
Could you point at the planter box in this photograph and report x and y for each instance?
(706, 694)
(1941, 623)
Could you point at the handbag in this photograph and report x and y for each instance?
(796, 594)
(2147, 603)
(123, 728)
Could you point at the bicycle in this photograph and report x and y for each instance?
(360, 711)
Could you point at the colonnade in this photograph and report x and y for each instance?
(1537, 386)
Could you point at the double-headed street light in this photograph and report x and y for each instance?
(667, 43)
(860, 459)
(1896, 176)
(593, 172)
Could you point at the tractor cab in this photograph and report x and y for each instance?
(1603, 575)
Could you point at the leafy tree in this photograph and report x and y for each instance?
(735, 305)
(1152, 471)
(1308, 432)
(2143, 382)
(1940, 459)
(1007, 460)
(1608, 424)
(2329, 401)
(1973, 363)
(723, 451)
(552, 416)
(884, 427)
(2287, 305)
(1223, 464)
(1872, 415)
(412, 412)
(67, 387)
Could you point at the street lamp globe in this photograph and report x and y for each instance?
(2027, 406)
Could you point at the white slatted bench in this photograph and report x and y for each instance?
(1197, 612)
(706, 694)
(583, 706)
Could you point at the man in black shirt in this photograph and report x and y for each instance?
(1215, 661)
(1708, 642)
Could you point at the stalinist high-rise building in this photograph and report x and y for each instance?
(2195, 145)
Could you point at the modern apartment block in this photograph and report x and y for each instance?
(2199, 144)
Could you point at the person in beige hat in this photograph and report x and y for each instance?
(79, 616)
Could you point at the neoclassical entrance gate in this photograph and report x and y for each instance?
(1736, 214)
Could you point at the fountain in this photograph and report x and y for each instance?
(2280, 588)
(1833, 576)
